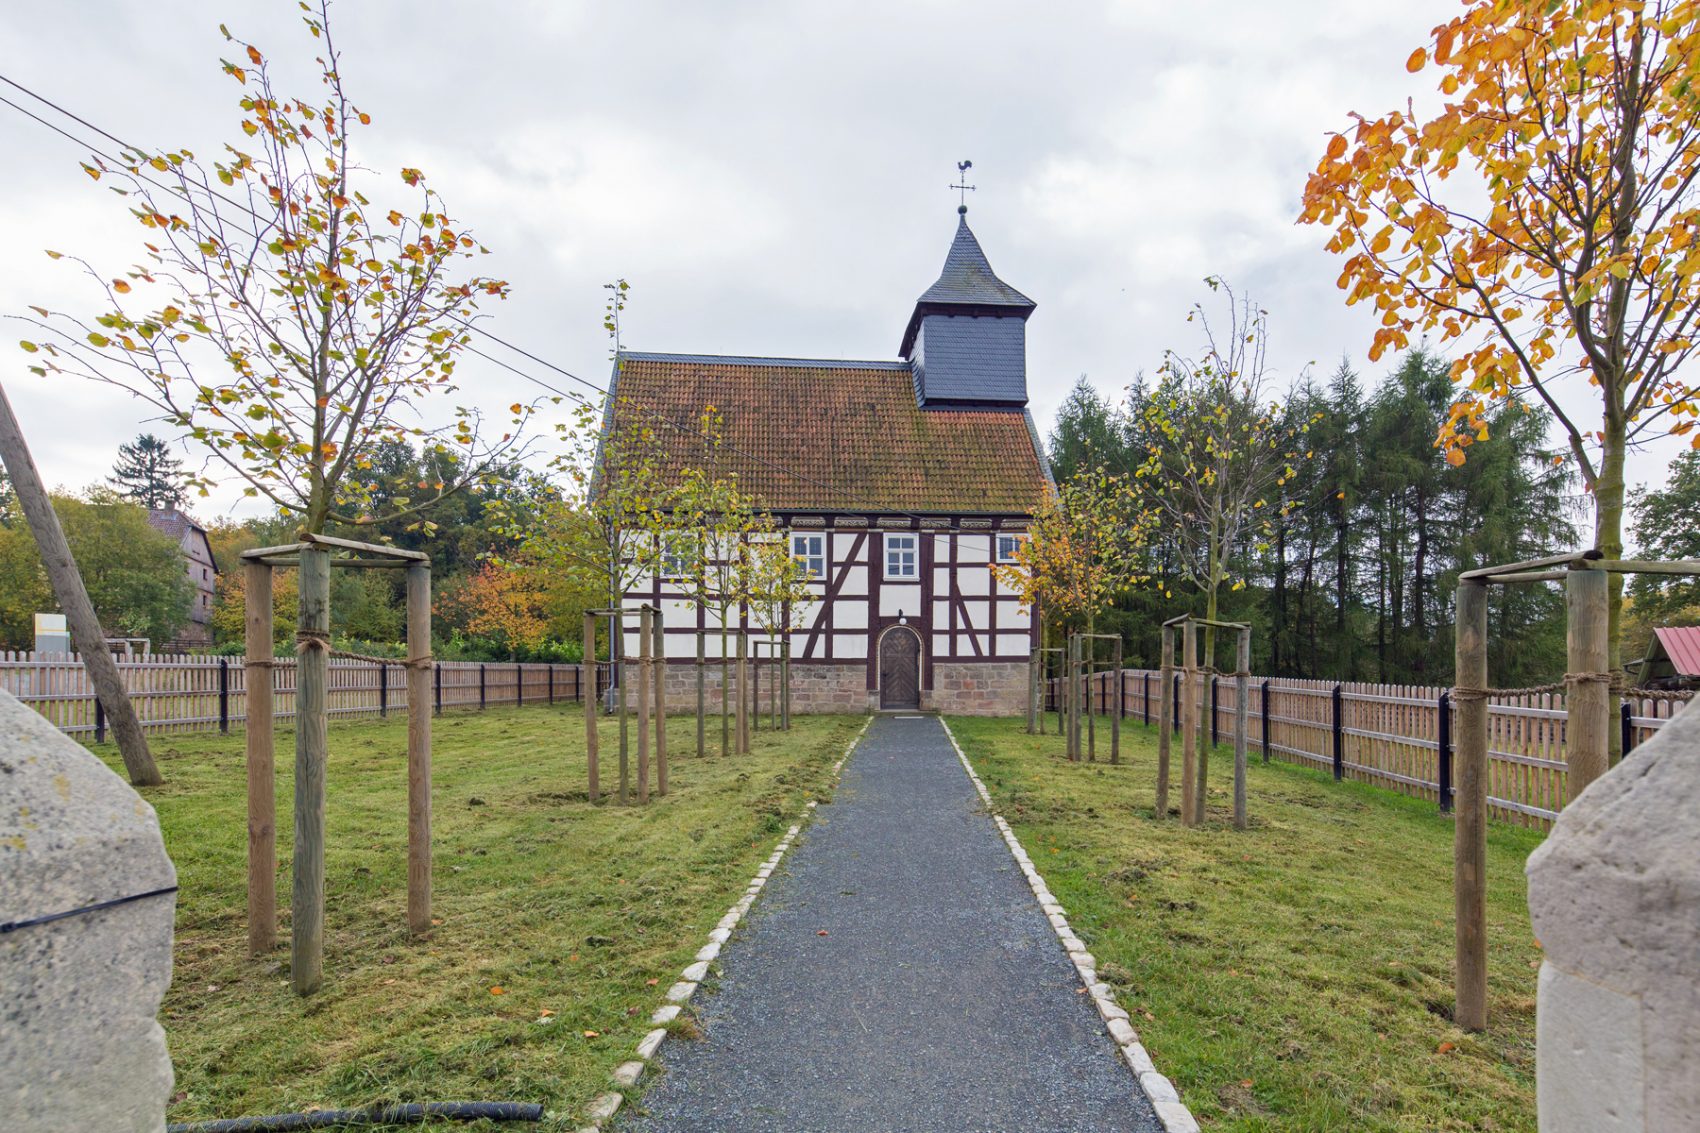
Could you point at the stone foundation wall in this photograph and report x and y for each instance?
(814, 688)
(996, 689)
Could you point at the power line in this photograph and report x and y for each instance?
(214, 198)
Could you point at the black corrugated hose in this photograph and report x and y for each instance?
(374, 1115)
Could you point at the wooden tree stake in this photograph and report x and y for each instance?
(419, 669)
(1165, 720)
(1242, 693)
(588, 685)
(307, 906)
(644, 666)
(743, 693)
(1033, 693)
(1588, 703)
(262, 768)
(1469, 853)
(658, 633)
(86, 635)
(1189, 724)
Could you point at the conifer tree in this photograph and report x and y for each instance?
(147, 473)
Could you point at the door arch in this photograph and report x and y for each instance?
(900, 669)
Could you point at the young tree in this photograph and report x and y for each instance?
(290, 323)
(712, 526)
(1218, 448)
(147, 473)
(281, 317)
(1545, 218)
(1085, 545)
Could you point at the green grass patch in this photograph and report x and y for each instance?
(1296, 976)
(582, 915)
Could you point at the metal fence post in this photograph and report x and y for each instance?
(481, 694)
(1214, 737)
(1339, 737)
(1627, 718)
(1145, 697)
(1264, 716)
(1444, 744)
(437, 679)
(1176, 715)
(519, 684)
(99, 722)
(551, 682)
(383, 689)
(224, 696)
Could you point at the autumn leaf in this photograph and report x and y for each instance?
(498, 990)
(254, 55)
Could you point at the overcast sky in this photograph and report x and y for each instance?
(770, 177)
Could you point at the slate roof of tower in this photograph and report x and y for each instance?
(969, 278)
(968, 282)
(810, 435)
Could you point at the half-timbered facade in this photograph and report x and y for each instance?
(898, 485)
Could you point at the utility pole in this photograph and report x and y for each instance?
(86, 634)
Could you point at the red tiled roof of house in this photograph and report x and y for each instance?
(835, 436)
(1682, 646)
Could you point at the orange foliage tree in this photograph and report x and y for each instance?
(1084, 545)
(505, 603)
(1544, 218)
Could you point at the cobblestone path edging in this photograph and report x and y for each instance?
(628, 1073)
(1174, 1115)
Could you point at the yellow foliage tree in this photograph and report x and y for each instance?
(1544, 219)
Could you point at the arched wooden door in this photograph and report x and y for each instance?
(900, 669)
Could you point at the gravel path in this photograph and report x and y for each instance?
(897, 975)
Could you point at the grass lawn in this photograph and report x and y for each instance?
(1296, 976)
(550, 909)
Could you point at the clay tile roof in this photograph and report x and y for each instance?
(1682, 646)
(835, 436)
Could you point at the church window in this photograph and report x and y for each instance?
(900, 556)
(678, 555)
(810, 551)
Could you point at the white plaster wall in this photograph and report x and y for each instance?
(900, 597)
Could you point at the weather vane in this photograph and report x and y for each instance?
(962, 186)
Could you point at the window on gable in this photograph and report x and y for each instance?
(1006, 547)
(810, 551)
(901, 555)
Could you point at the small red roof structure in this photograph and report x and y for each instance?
(1673, 660)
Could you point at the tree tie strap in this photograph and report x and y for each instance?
(307, 640)
(98, 906)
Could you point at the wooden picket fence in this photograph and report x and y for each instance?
(194, 693)
(1394, 736)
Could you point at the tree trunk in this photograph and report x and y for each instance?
(1608, 537)
(307, 904)
(86, 635)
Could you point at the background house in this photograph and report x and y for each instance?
(202, 570)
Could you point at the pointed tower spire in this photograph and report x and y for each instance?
(967, 338)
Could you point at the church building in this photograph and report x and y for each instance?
(897, 483)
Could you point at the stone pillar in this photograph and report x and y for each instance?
(79, 1040)
(1614, 894)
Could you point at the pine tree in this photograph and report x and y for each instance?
(147, 473)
